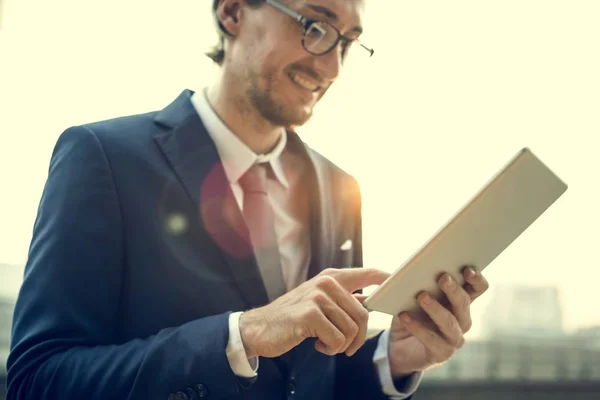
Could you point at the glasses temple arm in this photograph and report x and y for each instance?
(287, 11)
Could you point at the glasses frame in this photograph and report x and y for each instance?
(308, 22)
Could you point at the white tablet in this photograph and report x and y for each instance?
(511, 201)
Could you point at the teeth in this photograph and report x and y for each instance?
(306, 84)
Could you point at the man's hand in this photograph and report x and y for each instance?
(415, 345)
(323, 307)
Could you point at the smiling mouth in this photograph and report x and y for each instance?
(304, 83)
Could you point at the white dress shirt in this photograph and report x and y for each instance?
(291, 229)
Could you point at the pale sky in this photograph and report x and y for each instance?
(453, 91)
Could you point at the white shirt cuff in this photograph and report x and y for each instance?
(382, 362)
(236, 353)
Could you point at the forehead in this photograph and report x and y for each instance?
(344, 11)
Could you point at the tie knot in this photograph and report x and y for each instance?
(255, 179)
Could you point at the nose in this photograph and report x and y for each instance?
(329, 64)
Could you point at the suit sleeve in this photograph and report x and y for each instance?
(66, 323)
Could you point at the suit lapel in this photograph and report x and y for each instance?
(320, 198)
(194, 158)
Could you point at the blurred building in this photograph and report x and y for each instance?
(523, 311)
(524, 340)
(521, 360)
(589, 335)
(6, 313)
(516, 390)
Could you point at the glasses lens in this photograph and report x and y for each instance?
(320, 37)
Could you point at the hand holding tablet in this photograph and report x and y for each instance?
(503, 209)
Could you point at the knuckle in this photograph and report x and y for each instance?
(313, 314)
(328, 272)
(451, 324)
(484, 284)
(302, 331)
(456, 342)
(353, 329)
(363, 316)
(433, 337)
(339, 341)
(468, 325)
(326, 282)
(465, 302)
(320, 298)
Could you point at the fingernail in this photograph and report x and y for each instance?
(405, 318)
(426, 299)
(448, 281)
(471, 272)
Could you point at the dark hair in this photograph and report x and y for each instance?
(217, 52)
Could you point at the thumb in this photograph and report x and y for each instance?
(360, 297)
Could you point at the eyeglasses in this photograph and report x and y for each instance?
(320, 37)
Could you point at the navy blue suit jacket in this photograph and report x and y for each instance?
(138, 257)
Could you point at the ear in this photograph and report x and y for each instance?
(229, 13)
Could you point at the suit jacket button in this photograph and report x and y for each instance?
(178, 396)
(191, 394)
(292, 387)
(201, 390)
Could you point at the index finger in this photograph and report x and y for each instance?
(353, 279)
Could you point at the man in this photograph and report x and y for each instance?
(204, 251)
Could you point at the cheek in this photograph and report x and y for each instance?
(272, 54)
(275, 64)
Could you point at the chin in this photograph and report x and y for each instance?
(297, 112)
(283, 114)
(298, 116)
(289, 119)
(280, 108)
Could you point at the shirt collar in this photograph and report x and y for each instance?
(236, 157)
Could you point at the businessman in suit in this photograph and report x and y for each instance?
(205, 252)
